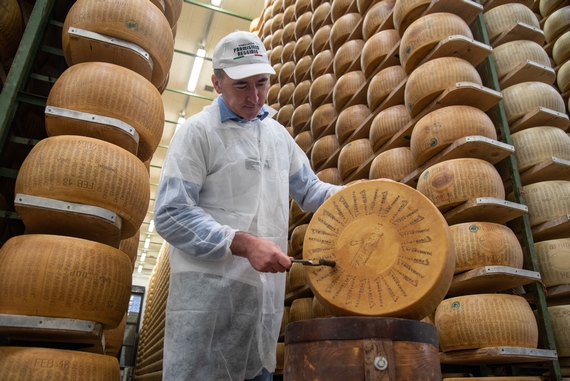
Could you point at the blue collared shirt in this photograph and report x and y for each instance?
(227, 114)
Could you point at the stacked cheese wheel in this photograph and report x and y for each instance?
(11, 33)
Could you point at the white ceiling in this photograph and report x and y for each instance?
(193, 27)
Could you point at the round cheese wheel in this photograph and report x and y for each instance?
(440, 128)
(286, 94)
(289, 14)
(363, 5)
(88, 171)
(303, 24)
(130, 246)
(267, 41)
(554, 261)
(172, 9)
(501, 18)
(353, 155)
(254, 25)
(430, 79)
(345, 55)
(346, 87)
(319, 310)
(64, 277)
(406, 12)
(12, 29)
(301, 93)
(546, 200)
(284, 114)
(273, 93)
(376, 48)
(452, 182)
(288, 32)
(349, 120)
(321, 88)
(302, 67)
(22, 363)
(135, 21)
(425, 33)
(321, 118)
(276, 22)
(394, 164)
(297, 238)
(323, 149)
(301, 309)
(301, 118)
(479, 244)
(297, 276)
(301, 6)
(280, 356)
(330, 175)
(556, 24)
(321, 16)
(322, 64)
(303, 47)
(114, 338)
(508, 56)
(277, 42)
(561, 49)
(273, 78)
(485, 320)
(536, 144)
(522, 98)
(392, 247)
(563, 77)
(266, 29)
(305, 140)
(277, 7)
(315, 3)
(386, 123)
(560, 318)
(339, 8)
(376, 16)
(275, 52)
(342, 29)
(295, 212)
(546, 7)
(285, 72)
(321, 39)
(111, 88)
(287, 52)
(383, 83)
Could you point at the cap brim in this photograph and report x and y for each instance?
(244, 71)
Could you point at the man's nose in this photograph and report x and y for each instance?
(253, 94)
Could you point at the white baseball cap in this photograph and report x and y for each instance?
(241, 54)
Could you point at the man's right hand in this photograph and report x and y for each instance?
(264, 255)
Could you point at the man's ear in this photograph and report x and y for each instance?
(216, 83)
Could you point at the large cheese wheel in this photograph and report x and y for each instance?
(111, 88)
(285, 319)
(440, 128)
(382, 84)
(425, 33)
(302, 6)
(284, 114)
(301, 93)
(285, 72)
(522, 98)
(11, 31)
(273, 78)
(342, 29)
(297, 238)
(286, 93)
(508, 56)
(346, 87)
(321, 39)
(485, 320)
(353, 155)
(287, 52)
(276, 22)
(546, 7)
(330, 175)
(301, 117)
(322, 117)
(20, 363)
(452, 182)
(537, 144)
(349, 120)
(376, 16)
(275, 53)
(479, 244)
(392, 247)
(394, 164)
(289, 14)
(135, 21)
(561, 49)
(560, 318)
(345, 55)
(114, 338)
(65, 277)
(319, 310)
(302, 67)
(288, 32)
(276, 43)
(557, 23)
(303, 24)
(172, 10)
(376, 48)
(546, 200)
(406, 12)
(501, 18)
(321, 88)
(297, 276)
(130, 246)
(88, 171)
(321, 16)
(430, 79)
(305, 140)
(554, 261)
(563, 77)
(273, 93)
(322, 64)
(386, 123)
(301, 309)
(303, 47)
(339, 8)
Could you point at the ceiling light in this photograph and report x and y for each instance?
(216, 3)
(140, 269)
(178, 124)
(143, 256)
(196, 68)
(147, 243)
(151, 224)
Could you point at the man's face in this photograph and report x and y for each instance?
(244, 97)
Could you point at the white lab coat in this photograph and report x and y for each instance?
(223, 316)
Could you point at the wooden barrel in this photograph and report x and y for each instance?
(376, 48)
(380, 233)
(349, 120)
(353, 155)
(501, 18)
(19, 364)
(323, 149)
(111, 88)
(537, 144)
(87, 171)
(135, 21)
(345, 56)
(376, 16)
(522, 98)
(382, 84)
(358, 348)
(64, 277)
(452, 182)
(321, 118)
(560, 318)
(12, 28)
(546, 200)
(386, 123)
(479, 244)
(556, 24)
(508, 56)
(554, 261)
(345, 88)
(485, 320)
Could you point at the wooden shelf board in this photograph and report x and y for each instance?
(460, 46)
(541, 116)
(490, 4)
(303, 292)
(485, 209)
(550, 169)
(490, 279)
(478, 147)
(554, 229)
(528, 70)
(497, 355)
(468, 10)
(519, 31)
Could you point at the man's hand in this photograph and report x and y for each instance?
(264, 255)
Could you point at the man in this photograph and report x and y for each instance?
(222, 204)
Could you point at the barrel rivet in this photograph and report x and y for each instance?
(380, 363)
